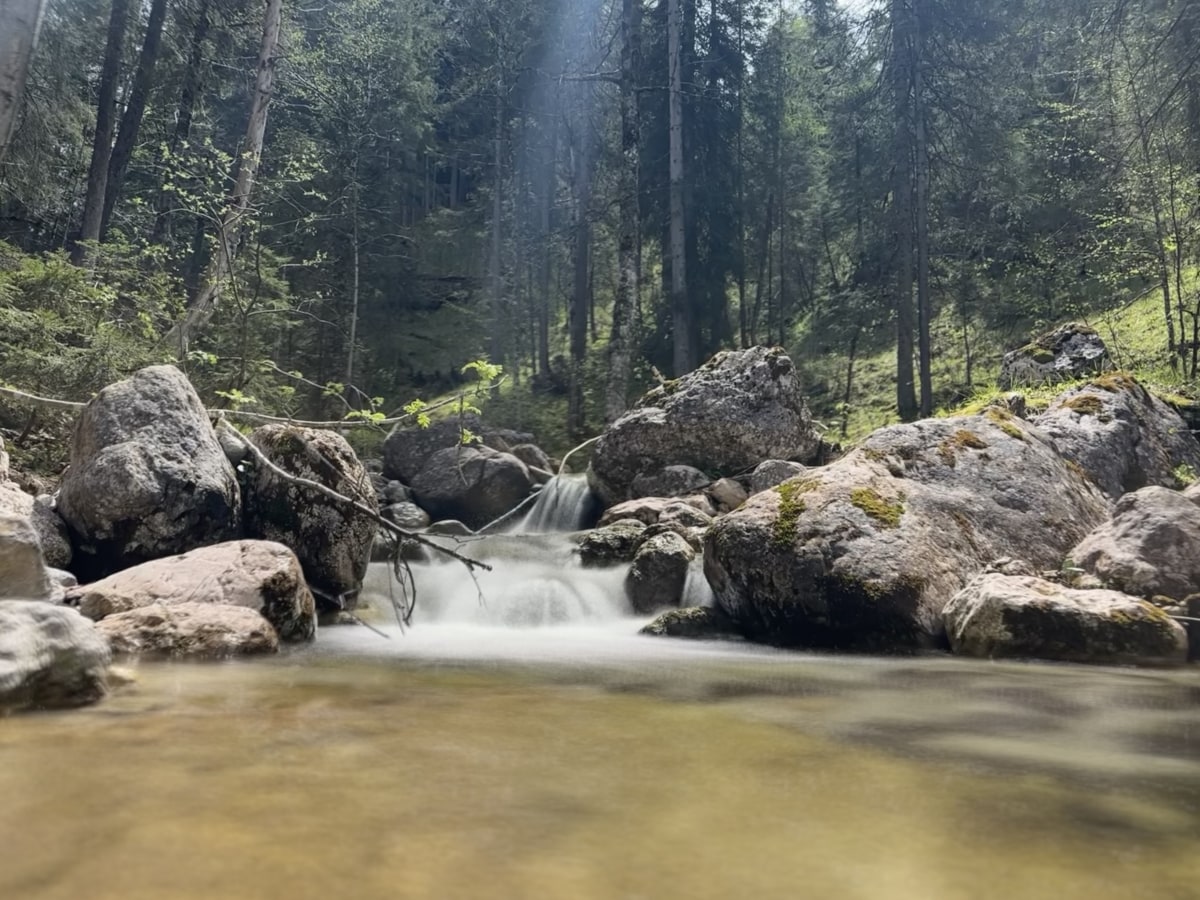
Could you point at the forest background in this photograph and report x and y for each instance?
(330, 208)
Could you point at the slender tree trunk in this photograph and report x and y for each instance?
(547, 202)
(902, 202)
(680, 313)
(352, 338)
(499, 342)
(577, 317)
(848, 394)
(763, 282)
(620, 344)
(106, 114)
(740, 175)
(135, 108)
(924, 301)
(20, 24)
(220, 267)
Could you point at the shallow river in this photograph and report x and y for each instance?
(466, 760)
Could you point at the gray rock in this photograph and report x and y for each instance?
(408, 516)
(1067, 353)
(51, 657)
(864, 553)
(998, 616)
(659, 572)
(728, 494)
(23, 573)
(771, 472)
(652, 510)
(695, 622)
(1192, 610)
(611, 545)
(395, 492)
(449, 528)
(670, 481)
(262, 576)
(739, 408)
(1121, 435)
(3, 461)
(407, 449)
(148, 477)
(52, 531)
(473, 484)
(189, 631)
(1151, 546)
(331, 539)
(534, 457)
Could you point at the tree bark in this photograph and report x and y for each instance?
(620, 349)
(499, 343)
(924, 301)
(106, 114)
(902, 203)
(135, 109)
(578, 313)
(680, 313)
(20, 24)
(220, 267)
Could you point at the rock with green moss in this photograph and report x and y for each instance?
(332, 539)
(1006, 616)
(1150, 546)
(736, 410)
(1120, 434)
(1067, 353)
(864, 553)
(694, 622)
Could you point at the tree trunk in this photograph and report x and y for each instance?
(620, 348)
(106, 114)
(20, 23)
(131, 121)
(924, 301)
(680, 313)
(544, 251)
(901, 71)
(352, 338)
(499, 343)
(220, 267)
(577, 315)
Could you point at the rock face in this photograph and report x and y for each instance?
(50, 657)
(739, 408)
(331, 539)
(1018, 616)
(696, 622)
(1150, 546)
(1122, 436)
(23, 573)
(189, 630)
(864, 553)
(659, 572)
(260, 575)
(475, 485)
(1069, 352)
(406, 450)
(148, 477)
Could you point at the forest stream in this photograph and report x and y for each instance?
(532, 745)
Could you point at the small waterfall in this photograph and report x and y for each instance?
(566, 503)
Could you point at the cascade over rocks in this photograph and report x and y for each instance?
(408, 448)
(51, 657)
(475, 485)
(189, 630)
(1151, 546)
(1018, 616)
(331, 539)
(1120, 434)
(260, 575)
(864, 553)
(1067, 353)
(148, 477)
(739, 408)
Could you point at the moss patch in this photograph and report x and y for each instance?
(874, 505)
(791, 505)
(960, 440)
(1115, 382)
(1004, 420)
(1085, 404)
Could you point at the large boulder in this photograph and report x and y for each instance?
(475, 485)
(612, 544)
(52, 531)
(1121, 435)
(407, 448)
(51, 657)
(1018, 616)
(189, 630)
(148, 477)
(739, 408)
(865, 552)
(23, 573)
(1067, 353)
(331, 538)
(1150, 546)
(259, 575)
(658, 575)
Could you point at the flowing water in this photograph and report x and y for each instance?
(531, 745)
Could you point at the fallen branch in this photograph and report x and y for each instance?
(44, 402)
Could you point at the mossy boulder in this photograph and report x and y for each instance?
(997, 616)
(864, 553)
(1067, 353)
(738, 409)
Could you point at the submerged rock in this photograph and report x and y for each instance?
(659, 572)
(189, 630)
(1017, 616)
(148, 477)
(697, 622)
(51, 657)
(739, 408)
